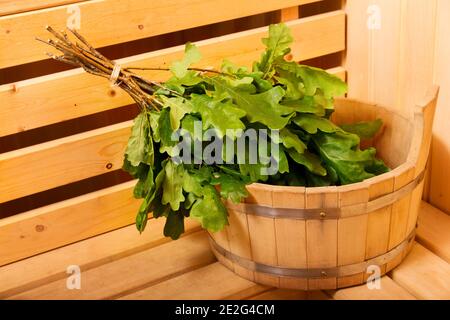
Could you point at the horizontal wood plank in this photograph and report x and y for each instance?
(211, 282)
(433, 230)
(48, 165)
(72, 94)
(50, 266)
(110, 22)
(389, 290)
(59, 162)
(424, 275)
(65, 222)
(281, 294)
(8, 7)
(126, 275)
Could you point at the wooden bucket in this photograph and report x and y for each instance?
(334, 237)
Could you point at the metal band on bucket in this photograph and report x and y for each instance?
(329, 213)
(315, 273)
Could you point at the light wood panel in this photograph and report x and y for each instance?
(114, 21)
(51, 266)
(280, 294)
(72, 94)
(321, 236)
(424, 275)
(394, 66)
(387, 48)
(210, 282)
(440, 150)
(433, 230)
(65, 222)
(10, 6)
(59, 162)
(389, 290)
(122, 276)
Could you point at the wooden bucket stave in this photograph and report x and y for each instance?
(326, 238)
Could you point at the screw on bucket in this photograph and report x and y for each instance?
(323, 215)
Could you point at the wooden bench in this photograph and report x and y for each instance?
(94, 230)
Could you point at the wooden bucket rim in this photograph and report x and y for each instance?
(409, 164)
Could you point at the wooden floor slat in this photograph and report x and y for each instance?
(389, 290)
(210, 282)
(433, 230)
(280, 294)
(424, 274)
(90, 253)
(132, 272)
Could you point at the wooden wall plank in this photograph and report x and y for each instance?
(104, 24)
(59, 162)
(395, 64)
(387, 48)
(72, 94)
(50, 266)
(65, 222)
(440, 150)
(8, 7)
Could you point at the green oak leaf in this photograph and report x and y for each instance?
(191, 55)
(210, 211)
(165, 132)
(179, 107)
(262, 107)
(220, 115)
(140, 144)
(154, 124)
(313, 79)
(144, 185)
(341, 152)
(365, 130)
(307, 104)
(277, 46)
(174, 226)
(142, 215)
(173, 185)
(291, 140)
(231, 187)
(312, 123)
(311, 161)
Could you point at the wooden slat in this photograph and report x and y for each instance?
(389, 290)
(424, 274)
(114, 21)
(10, 6)
(59, 162)
(280, 294)
(440, 179)
(263, 246)
(123, 276)
(321, 236)
(433, 231)
(65, 222)
(210, 282)
(71, 94)
(90, 253)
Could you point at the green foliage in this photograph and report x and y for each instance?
(365, 130)
(294, 99)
